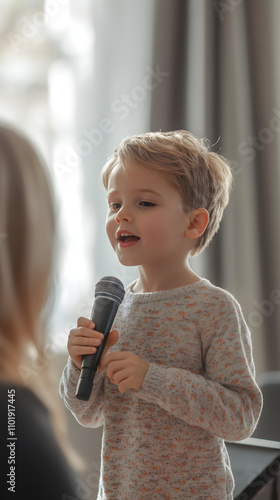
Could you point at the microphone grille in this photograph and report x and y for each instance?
(111, 287)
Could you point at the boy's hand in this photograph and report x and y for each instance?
(125, 369)
(84, 340)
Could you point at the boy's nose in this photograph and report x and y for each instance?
(123, 215)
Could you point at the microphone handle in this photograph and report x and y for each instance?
(103, 314)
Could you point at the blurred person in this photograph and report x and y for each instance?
(33, 445)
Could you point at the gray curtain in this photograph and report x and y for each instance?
(214, 70)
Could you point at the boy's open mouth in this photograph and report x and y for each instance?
(126, 237)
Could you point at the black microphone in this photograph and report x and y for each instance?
(109, 294)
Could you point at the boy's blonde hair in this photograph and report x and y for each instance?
(203, 178)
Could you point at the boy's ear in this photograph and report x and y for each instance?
(197, 221)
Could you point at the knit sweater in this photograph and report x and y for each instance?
(166, 440)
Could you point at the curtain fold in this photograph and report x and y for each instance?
(169, 52)
(263, 40)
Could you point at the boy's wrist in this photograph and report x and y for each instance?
(76, 366)
(73, 371)
(154, 383)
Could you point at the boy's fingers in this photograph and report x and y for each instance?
(82, 350)
(111, 340)
(85, 322)
(87, 341)
(103, 363)
(111, 357)
(87, 333)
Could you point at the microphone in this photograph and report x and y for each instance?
(109, 294)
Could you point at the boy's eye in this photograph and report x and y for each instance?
(115, 206)
(147, 204)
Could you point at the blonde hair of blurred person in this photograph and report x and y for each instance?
(27, 236)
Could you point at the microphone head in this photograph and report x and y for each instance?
(110, 287)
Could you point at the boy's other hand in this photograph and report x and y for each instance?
(85, 339)
(125, 369)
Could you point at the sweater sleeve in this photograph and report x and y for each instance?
(88, 413)
(225, 399)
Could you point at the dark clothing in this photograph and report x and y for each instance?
(32, 466)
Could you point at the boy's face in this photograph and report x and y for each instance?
(145, 221)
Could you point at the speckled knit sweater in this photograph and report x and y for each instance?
(166, 441)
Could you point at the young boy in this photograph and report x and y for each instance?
(179, 378)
